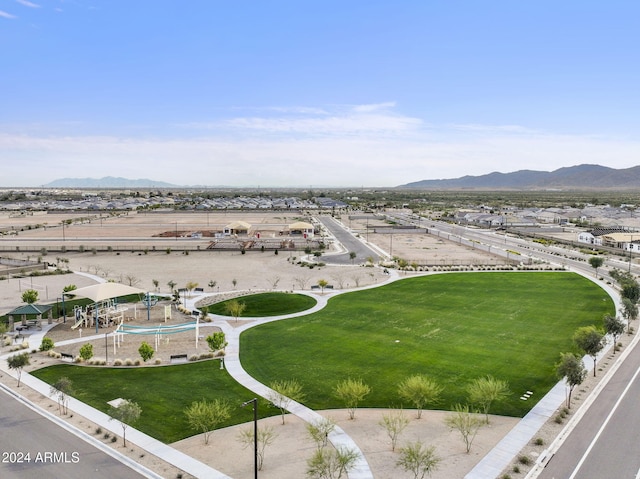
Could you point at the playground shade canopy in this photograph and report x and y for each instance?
(103, 291)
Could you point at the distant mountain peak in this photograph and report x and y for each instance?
(584, 176)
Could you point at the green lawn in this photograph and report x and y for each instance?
(162, 392)
(452, 327)
(267, 304)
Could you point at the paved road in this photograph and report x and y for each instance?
(350, 242)
(604, 443)
(53, 451)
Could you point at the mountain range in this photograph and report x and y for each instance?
(572, 177)
(107, 182)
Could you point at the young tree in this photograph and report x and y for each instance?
(394, 423)
(418, 459)
(191, 285)
(126, 413)
(235, 308)
(614, 327)
(485, 391)
(572, 370)
(86, 351)
(465, 422)
(302, 281)
(146, 351)
(331, 464)
(319, 431)
(266, 436)
(68, 288)
(596, 262)
(62, 389)
(132, 280)
(18, 362)
(284, 393)
(212, 284)
(156, 283)
(323, 284)
(352, 256)
(29, 296)
(591, 341)
(172, 285)
(629, 311)
(216, 341)
(351, 392)
(420, 390)
(206, 416)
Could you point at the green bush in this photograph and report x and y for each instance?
(86, 351)
(146, 351)
(47, 344)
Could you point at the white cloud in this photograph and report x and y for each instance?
(6, 15)
(28, 4)
(289, 147)
(374, 107)
(349, 120)
(294, 162)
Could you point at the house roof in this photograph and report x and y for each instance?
(239, 225)
(301, 225)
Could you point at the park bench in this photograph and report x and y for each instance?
(35, 323)
(178, 357)
(66, 356)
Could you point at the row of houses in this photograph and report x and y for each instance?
(99, 203)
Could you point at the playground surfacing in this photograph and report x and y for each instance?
(174, 336)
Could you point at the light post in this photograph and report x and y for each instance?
(630, 250)
(254, 402)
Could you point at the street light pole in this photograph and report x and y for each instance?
(254, 402)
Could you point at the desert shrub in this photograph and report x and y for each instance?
(128, 362)
(193, 357)
(117, 362)
(47, 344)
(86, 351)
(146, 351)
(158, 361)
(524, 460)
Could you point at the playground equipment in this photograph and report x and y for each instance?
(105, 313)
(158, 331)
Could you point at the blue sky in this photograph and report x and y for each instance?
(314, 93)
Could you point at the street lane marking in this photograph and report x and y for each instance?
(604, 424)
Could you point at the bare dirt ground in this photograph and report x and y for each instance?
(224, 272)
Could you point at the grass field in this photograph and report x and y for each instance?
(163, 393)
(451, 327)
(267, 304)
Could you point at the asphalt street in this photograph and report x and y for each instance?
(604, 443)
(33, 447)
(350, 243)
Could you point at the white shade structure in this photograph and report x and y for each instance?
(103, 291)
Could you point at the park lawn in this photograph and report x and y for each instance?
(267, 304)
(163, 393)
(452, 327)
